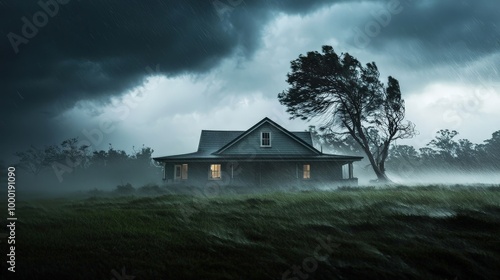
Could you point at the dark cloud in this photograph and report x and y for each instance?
(55, 53)
(95, 49)
(92, 49)
(428, 33)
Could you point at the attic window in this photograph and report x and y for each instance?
(265, 139)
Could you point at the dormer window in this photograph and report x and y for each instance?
(265, 139)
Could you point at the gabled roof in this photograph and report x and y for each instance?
(214, 142)
(277, 126)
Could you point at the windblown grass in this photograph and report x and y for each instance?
(387, 233)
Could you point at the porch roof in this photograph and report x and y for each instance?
(204, 156)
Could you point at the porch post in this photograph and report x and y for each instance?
(164, 171)
(260, 174)
(350, 171)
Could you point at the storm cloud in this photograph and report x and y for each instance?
(56, 54)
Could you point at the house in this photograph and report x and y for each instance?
(265, 155)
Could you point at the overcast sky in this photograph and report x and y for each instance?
(158, 72)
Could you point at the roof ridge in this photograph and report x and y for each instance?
(220, 130)
(271, 122)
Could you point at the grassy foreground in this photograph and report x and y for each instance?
(391, 233)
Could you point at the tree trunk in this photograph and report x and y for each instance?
(378, 167)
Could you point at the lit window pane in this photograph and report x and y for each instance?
(184, 171)
(306, 171)
(215, 171)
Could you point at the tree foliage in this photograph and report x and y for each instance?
(70, 163)
(350, 100)
(445, 153)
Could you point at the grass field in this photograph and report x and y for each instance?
(370, 233)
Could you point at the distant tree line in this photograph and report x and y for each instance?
(73, 164)
(443, 153)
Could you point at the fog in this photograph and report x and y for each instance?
(70, 168)
(447, 178)
(46, 184)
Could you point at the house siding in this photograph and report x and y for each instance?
(197, 173)
(258, 174)
(280, 144)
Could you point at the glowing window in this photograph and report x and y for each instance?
(306, 174)
(214, 172)
(184, 173)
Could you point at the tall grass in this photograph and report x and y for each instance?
(392, 233)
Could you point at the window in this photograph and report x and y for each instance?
(265, 139)
(215, 172)
(184, 174)
(181, 171)
(306, 174)
(177, 172)
(345, 171)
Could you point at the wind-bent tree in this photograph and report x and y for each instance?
(350, 100)
(332, 141)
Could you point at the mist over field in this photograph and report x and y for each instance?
(447, 178)
(445, 160)
(48, 184)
